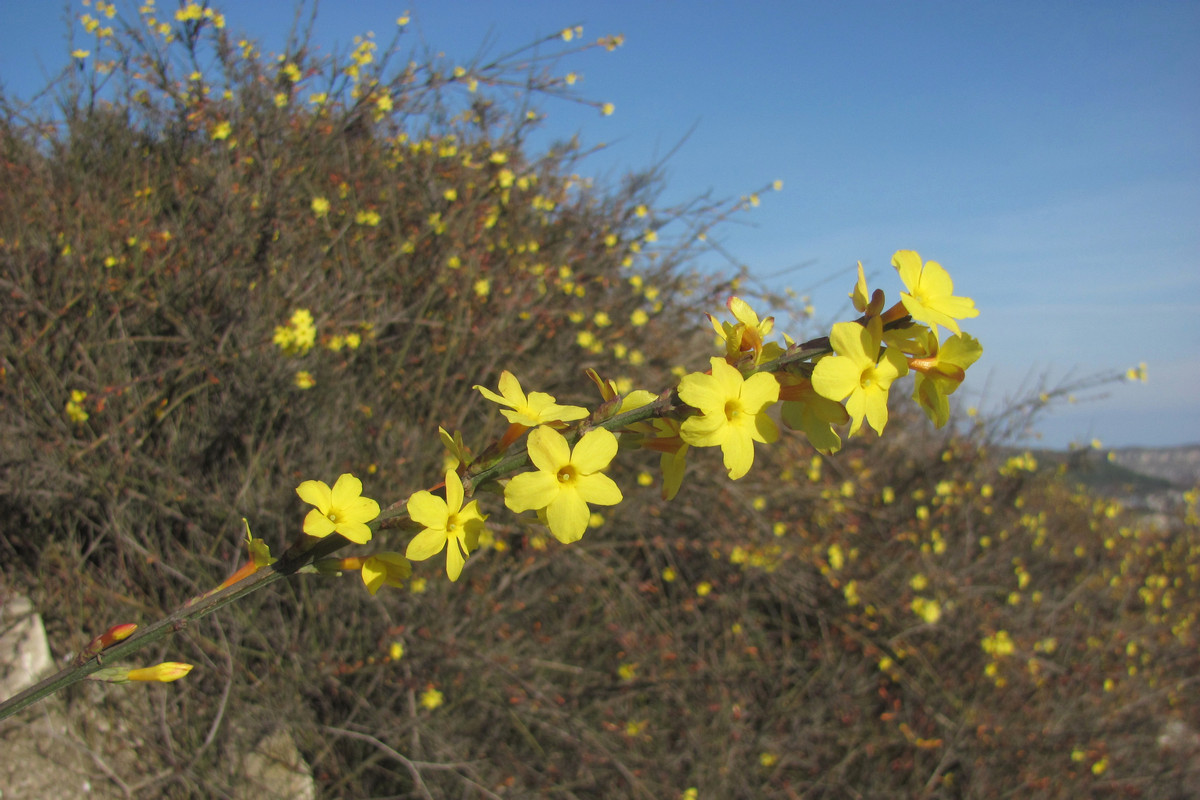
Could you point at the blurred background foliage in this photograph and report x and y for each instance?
(930, 614)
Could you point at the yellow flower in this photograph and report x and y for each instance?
(930, 296)
(942, 373)
(305, 380)
(382, 569)
(566, 480)
(74, 408)
(858, 374)
(732, 413)
(163, 673)
(431, 698)
(538, 408)
(448, 524)
(341, 509)
(222, 131)
(805, 410)
(747, 334)
(189, 13)
(320, 206)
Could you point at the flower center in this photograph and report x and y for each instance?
(566, 474)
(733, 410)
(867, 378)
(333, 516)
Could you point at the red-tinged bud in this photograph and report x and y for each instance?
(894, 313)
(119, 633)
(110, 637)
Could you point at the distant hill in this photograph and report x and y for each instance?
(1179, 465)
(1151, 479)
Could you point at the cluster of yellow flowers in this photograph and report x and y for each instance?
(822, 384)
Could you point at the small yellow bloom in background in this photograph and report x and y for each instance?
(566, 480)
(162, 673)
(222, 131)
(704, 588)
(607, 109)
(732, 413)
(483, 287)
(370, 218)
(189, 13)
(318, 99)
(448, 525)
(926, 609)
(768, 759)
(320, 206)
(431, 698)
(1137, 373)
(538, 408)
(305, 380)
(402, 20)
(777, 186)
(341, 509)
(281, 99)
(385, 569)
(669, 575)
(639, 318)
(627, 671)
(384, 103)
(998, 644)
(80, 54)
(74, 408)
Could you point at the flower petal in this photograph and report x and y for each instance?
(346, 490)
(738, 452)
(548, 450)
(317, 524)
(316, 493)
(426, 508)
(759, 391)
(454, 492)
(599, 489)
(568, 517)
(594, 451)
(531, 490)
(426, 544)
(357, 532)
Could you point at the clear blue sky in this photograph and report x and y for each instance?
(1047, 153)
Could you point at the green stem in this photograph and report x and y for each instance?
(177, 621)
(303, 554)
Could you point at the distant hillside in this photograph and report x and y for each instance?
(1179, 465)
(1150, 479)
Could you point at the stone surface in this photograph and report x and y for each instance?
(273, 769)
(24, 652)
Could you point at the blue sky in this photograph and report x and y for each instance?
(1046, 153)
